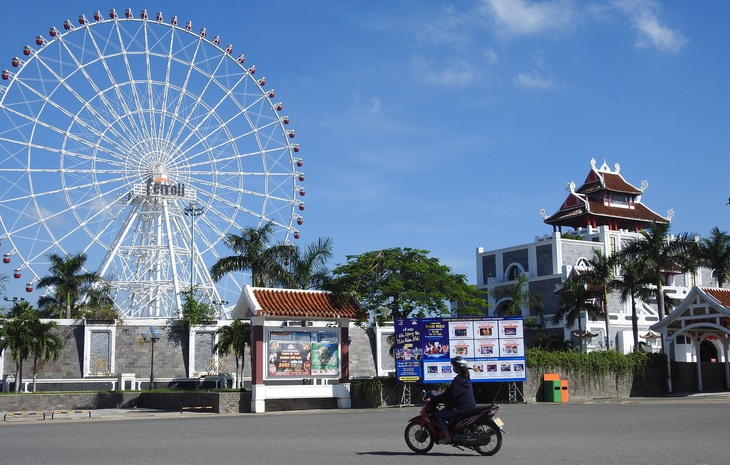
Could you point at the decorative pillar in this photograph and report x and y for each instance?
(698, 363)
(258, 366)
(344, 399)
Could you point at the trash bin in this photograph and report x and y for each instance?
(564, 390)
(551, 387)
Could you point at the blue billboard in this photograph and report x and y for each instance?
(493, 347)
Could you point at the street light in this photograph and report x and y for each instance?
(151, 338)
(192, 211)
(221, 303)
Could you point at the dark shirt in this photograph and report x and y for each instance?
(459, 396)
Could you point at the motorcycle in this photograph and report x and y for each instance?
(478, 429)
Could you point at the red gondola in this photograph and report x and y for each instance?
(296, 235)
(5, 75)
(252, 69)
(67, 24)
(28, 287)
(301, 206)
(27, 50)
(296, 149)
(97, 16)
(262, 81)
(82, 19)
(16, 273)
(53, 32)
(15, 62)
(6, 258)
(241, 58)
(128, 13)
(158, 16)
(113, 14)
(39, 40)
(300, 220)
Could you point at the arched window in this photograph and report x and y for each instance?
(513, 272)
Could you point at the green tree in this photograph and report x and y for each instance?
(235, 338)
(402, 283)
(715, 254)
(661, 253)
(517, 297)
(98, 303)
(16, 334)
(576, 298)
(19, 307)
(67, 281)
(194, 312)
(308, 267)
(632, 285)
(46, 345)
(254, 253)
(601, 274)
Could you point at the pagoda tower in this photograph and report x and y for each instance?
(605, 199)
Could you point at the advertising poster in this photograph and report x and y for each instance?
(303, 353)
(408, 350)
(493, 347)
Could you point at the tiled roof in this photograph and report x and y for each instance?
(287, 303)
(613, 182)
(639, 213)
(721, 294)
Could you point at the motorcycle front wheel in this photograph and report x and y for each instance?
(494, 435)
(418, 438)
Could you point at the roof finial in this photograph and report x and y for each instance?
(593, 163)
(617, 167)
(604, 167)
(570, 187)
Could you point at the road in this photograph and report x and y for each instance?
(676, 431)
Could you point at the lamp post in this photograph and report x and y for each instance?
(220, 303)
(192, 211)
(151, 338)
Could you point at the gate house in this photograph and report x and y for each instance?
(300, 344)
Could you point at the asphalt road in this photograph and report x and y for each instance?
(675, 431)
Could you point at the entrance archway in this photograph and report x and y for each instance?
(708, 352)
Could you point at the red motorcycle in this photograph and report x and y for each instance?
(478, 428)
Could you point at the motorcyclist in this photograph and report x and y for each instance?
(457, 398)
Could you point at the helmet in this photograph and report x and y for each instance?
(458, 361)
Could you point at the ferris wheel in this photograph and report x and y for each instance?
(141, 143)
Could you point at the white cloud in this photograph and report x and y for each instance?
(458, 72)
(521, 17)
(651, 33)
(532, 80)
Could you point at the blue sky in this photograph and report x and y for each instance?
(447, 126)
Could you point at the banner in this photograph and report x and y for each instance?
(493, 347)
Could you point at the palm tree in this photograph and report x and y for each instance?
(308, 267)
(254, 253)
(67, 279)
(517, 296)
(46, 345)
(632, 285)
(16, 334)
(662, 253)
(575, 298)
(234, 338)
(19, 307)
(716, 255)
(600, 274)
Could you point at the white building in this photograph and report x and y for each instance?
(604, 213)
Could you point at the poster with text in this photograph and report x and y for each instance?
(493, 347)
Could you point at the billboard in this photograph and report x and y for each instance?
(493, 347)
(303, 353)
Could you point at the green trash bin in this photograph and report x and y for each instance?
(553, 391)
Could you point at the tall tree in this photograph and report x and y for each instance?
(235, 338)
(662, 253)
(308, 267)
(716, 255)
(576, 298)
(16, 334)
(67, 279)
(254, 253)
(402, 283)
(600, 274)
(632, 285)
(517, 297)
(46, 345)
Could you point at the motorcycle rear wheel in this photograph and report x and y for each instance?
(419, 438)
(495, 438)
